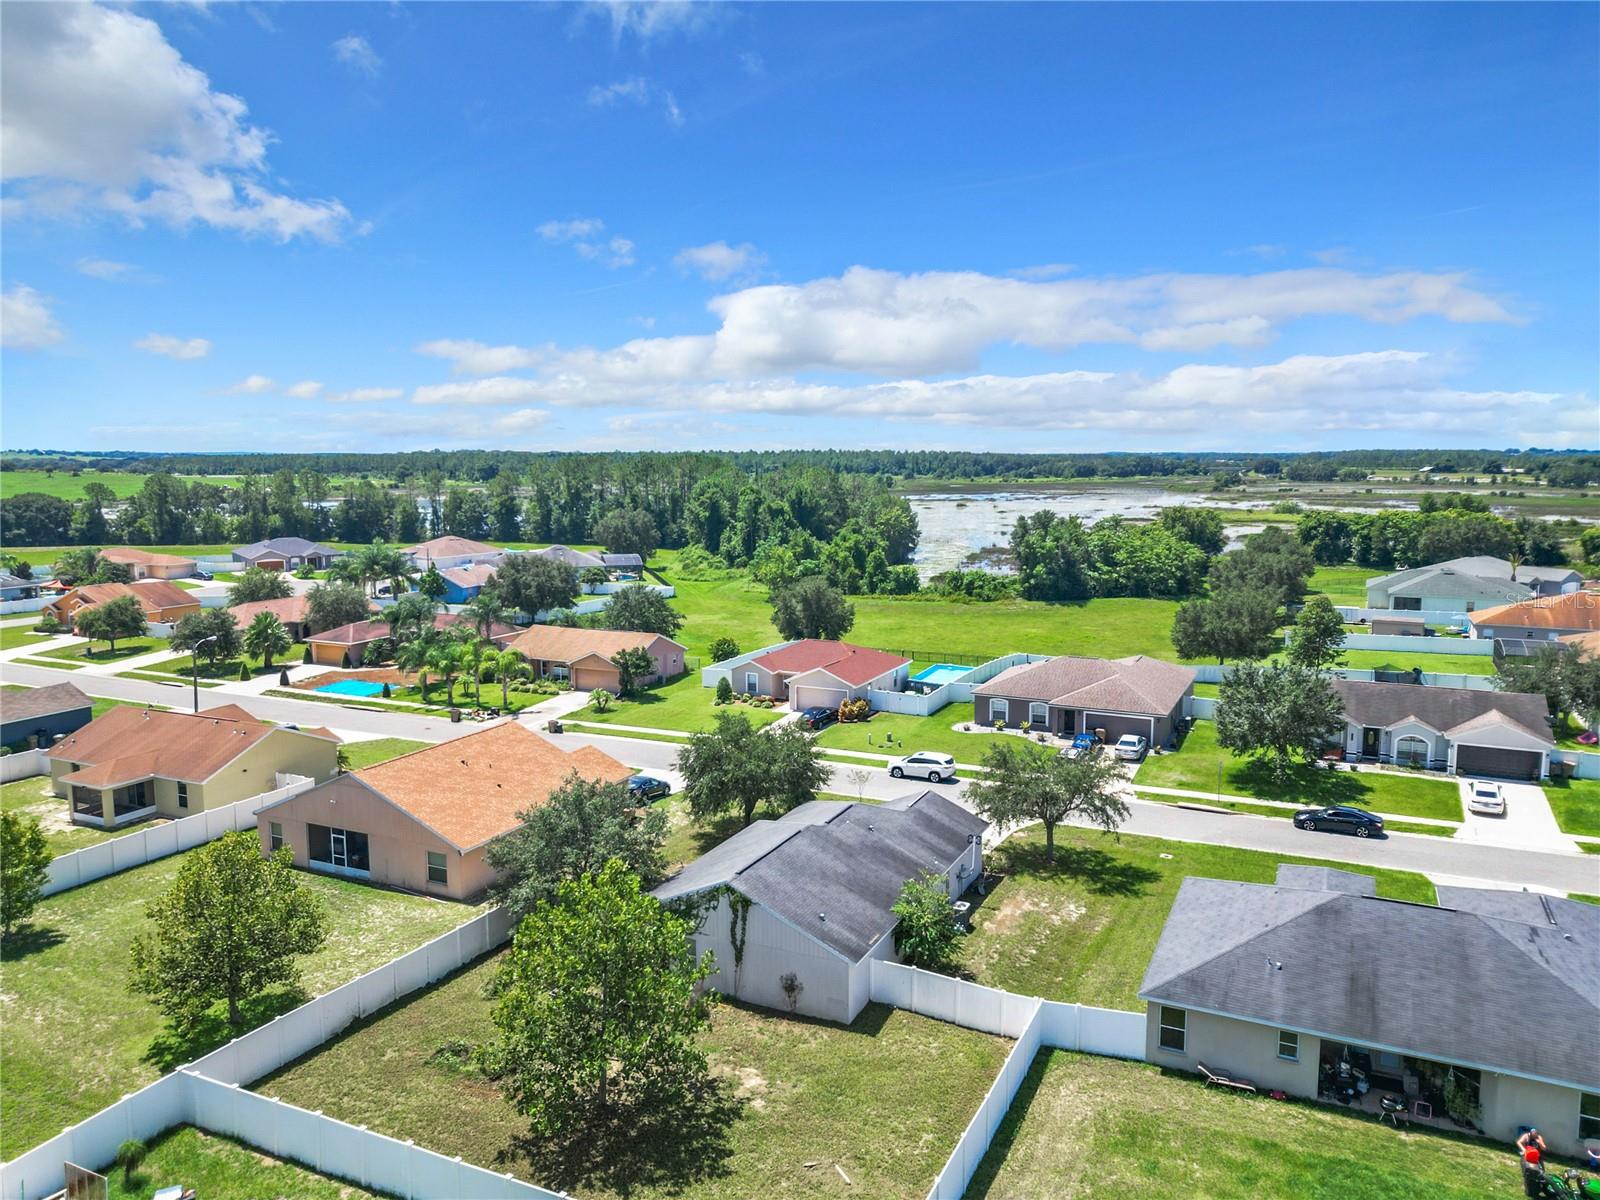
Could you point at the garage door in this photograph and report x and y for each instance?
(1116, 724)
(819, 697)
(1491, 760)
(586, 679)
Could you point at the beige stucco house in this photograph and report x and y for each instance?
(134, 763)
(1071, 694)
(584, 656)
(146, 564)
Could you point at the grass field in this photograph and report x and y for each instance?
(33, 798)
(682, 704)
(1194, 767)
(379, 750)
(935, 732)
(76, 1038)
(1086, 1127)
(181, 665)
(66, 486)
(1576, 803)
(1342, 585)
(13, 637)
(220, 1168)
(100, 652)
(885, 1099)
(1084, 928)
(1433, 664)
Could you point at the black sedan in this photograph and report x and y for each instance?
(818, 717)
(648, 787)
(1340, 819)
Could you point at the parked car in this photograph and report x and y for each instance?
(207, 576)
(1130, 747)
(648, 787)
(924, 764)
(818, 717)
(1082, 743)
(1486, 799)
(1340, 818)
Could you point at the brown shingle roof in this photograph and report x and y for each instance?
(450, 546)
(475, 575)
(134, 743)
(359, 633)
(286, 609)
(853, 664)
(471, 790)
(41, 702)
(1574, 610)
(1446, 709)
(152, 594)
(1136, 684)
(559, 643)
(127, 554)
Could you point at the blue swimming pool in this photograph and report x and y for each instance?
(353, 687)
(939, 674)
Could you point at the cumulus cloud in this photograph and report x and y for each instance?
(103, 268)
(366, 395)
(182, 349)
(26, 322)
(99, 112)
(496, 390)
(356, 53)
(716, 261)
(586, 235)
(523, 420)
(250, 385)
(308, 389)
(475, 358)
(639, 92)
(651, 19)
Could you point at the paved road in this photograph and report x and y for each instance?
(1410, 852)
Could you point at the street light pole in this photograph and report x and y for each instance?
(194, 667)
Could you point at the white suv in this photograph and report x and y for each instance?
(924, 764)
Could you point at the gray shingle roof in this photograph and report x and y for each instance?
(41, 702)
(1137, 684)
(1381, 705)
(834, 869)
(1477, 984)
(622, 560)
(297, 546)
(569, 556)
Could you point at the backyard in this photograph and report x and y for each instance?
(1342, 585)
(77, 1039)
(1193, 767)
(33, 798)
(1084, 928)
(797, 1098)
(219, 1168)
(1576, 803)
(1083, 1126)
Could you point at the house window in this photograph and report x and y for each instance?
(130, 799)
(1411, 751)
(1408, 603)
(1038, 715)
(343, 850)
(999, 710)
(1174, 1029)
(752, 682)
(183, 795)
(1588, 1117)
(1288, 1046)
(275, 835)
(437, 871)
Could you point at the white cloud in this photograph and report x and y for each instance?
(585, 236)
(649, 19)
(523, 420)
(639, 92)
(250, 385)
(475, 358)
(718, 260)
(99, 112)
(366, 395)
(308, 389)
(26, 322)
(103, 268)
(356, 53)
(182, 349)
(500, 389)
(752, 63)
(578, 229)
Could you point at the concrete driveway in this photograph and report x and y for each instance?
(1529, 824)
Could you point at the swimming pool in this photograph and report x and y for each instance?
(352, 687)
(939, 674)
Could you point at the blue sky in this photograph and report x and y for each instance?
(1033, 227)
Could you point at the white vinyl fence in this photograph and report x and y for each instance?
(33, 604)
(24, 764)
(957, 691)
(1212, 673)
(1355, 614)
(951, 1182)
(1416, 645)
(158, 841)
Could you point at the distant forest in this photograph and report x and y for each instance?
(1558, 468)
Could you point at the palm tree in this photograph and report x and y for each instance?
(509, 665)
(416, 654)
(443, 661)
(348, 569)
(486, 610)
(265, 637)
(465, 655)
(381, 561)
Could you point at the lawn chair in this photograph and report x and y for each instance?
(1218, 1079)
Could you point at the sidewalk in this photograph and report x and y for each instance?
(1287, 806)
(43, 643)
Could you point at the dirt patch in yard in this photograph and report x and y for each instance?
(1020, 904)
(389, 675)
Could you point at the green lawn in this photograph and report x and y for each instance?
(33, 798)
(885, 1099)
(76, 1039)
(379, 750)
(1576, 803)
(1432, 664)
(1084, 928)
(1343, 585)
(1083, 1126)
(219, 1168)
(100, 652)
(182, 666)
(1194, 767)
(463, 695)
(13, 637)
(682, 705)
(935, 732)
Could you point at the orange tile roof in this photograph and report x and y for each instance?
(127, 554)
(286, 609)
(136, 743)
(152, 594)
(1587, 643)
(560, 643)
(472, 790)
(1573, 610)
(360, 633)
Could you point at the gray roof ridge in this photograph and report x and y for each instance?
(1243, 938)
(1506, 927)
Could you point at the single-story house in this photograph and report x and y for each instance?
(1502, 989)
(293, 611)
(584, 656)
(1399, 626)
(818, 888)
(1069, 694)
(623, 563)
(1461, 730)
(42, 713)
(424, 821)
(1546, 618)
(285, 554)
(813, 672)
(145, 565)
(464, 582)
(452, 551)
(1587, 644)
(578, 560)
(1467, 584)
(14, 587)
(161, 600)
(133, 763)
(347, 645)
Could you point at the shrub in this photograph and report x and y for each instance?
(48, 624)
(129, 1157)
(724, 690)
(854, 710)
(601, 700)
(386, 692)
(244, 671)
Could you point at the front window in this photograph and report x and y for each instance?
(275, 835)
(752, 681)
(183, 795)
(1588, 1117)
(1288, 1046)
(1038, 715)
(999, 710)
(1174, 1029)
(1411, 751)
(438, 872)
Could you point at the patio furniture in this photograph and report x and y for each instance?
(1218, 1079)
(1395, 1109)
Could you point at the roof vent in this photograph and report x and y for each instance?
(822, 916)
(1549, 914)
(1273, 964)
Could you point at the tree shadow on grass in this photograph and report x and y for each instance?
(1300, 784)
(29, 939)
(666, 1147)
(172, 1047)
(1099, 871)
